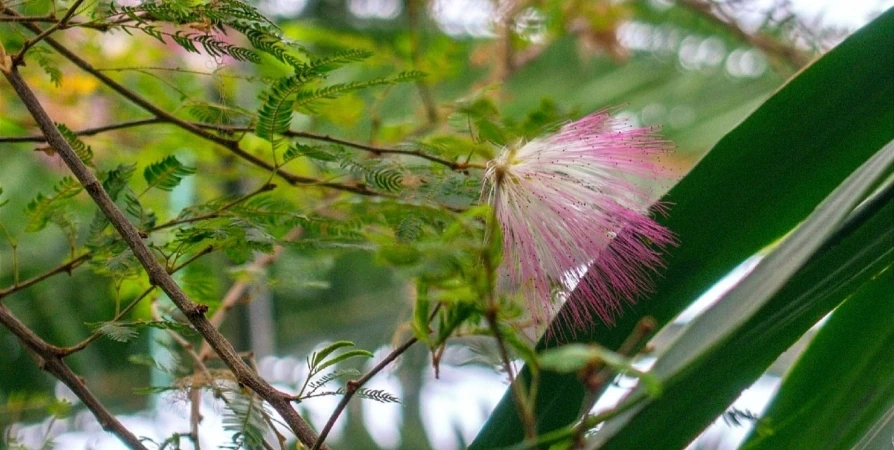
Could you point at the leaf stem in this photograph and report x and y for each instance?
(353, 386)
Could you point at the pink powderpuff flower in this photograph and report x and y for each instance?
(573, 201)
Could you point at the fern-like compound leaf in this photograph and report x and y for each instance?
(166, 174)
(84, 152)
(42, 209)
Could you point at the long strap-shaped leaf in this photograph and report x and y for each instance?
(842, 387)
(757, 183)
(710, 331)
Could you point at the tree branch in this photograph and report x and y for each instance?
(217, 212)
(19, 57)
(47, 360)
(453, 165)
(353, 386)
(84, 132)
(194, 313)
(48, 19)
(376, 150)
(771, 47)
(237, 290)
(67, 268)
(67, 351)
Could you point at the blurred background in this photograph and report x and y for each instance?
(694, 68)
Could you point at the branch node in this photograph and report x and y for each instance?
(197, 309)
(5, 61)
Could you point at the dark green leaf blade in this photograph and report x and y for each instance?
(694, 355)
(166, 174)
(842, 385)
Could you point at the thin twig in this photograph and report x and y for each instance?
(523, 406)
(67, 351)
(66, 268)
(92, 24)
(228, 129)
(48, 361)
(353, 386)
(62, 23)
(233, 295)
(454, 165)
(194, 313)
(792, 56)
(48, 19)
(595, 378)
(506, 66)
(199, 364)
(217, 212)
(564, 434)
(237, 290)
(78, 262)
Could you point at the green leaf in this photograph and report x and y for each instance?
(59, 408)
(166, 174)
(265, 39)
(484, 115)
(378, 395)
(244, 418)
(309, 100)
(42, 209)
(400, 254)
(374, 172)
(841, 387)
(115, 331)
(693, 352)
(321, 355)
(310, 151)
(154, 390)
(42, 54)
(574, 357)
(84, 152)
(332, 62)
(115, 180)
(142, 359)
(275, 114)
(757, 184)
(388, 180)
(356, 353)
(215, 113)
(213, 47)
(325, 379)
(180, 327)
(2, 202)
